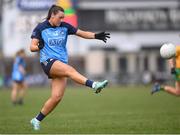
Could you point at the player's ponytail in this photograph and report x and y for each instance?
(53, 9)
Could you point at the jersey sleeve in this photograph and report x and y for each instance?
(36, 33)
(177, 50)
(71, 29)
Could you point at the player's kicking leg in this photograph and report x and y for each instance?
(70, 72)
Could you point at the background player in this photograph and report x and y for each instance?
(18, 76)
(175, 71)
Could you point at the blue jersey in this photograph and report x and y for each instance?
(54, 40)
(17, 75)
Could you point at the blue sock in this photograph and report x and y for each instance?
(40, 116)
(89, 83)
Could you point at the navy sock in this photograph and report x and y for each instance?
(20, 101)
(40, 116)
(89, 83)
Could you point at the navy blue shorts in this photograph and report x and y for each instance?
(46, 65)
(18, 81)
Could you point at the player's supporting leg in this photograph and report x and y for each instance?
(57, 91)
(173, 90)
(14, 93)
(60, 69)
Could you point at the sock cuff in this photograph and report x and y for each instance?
(40, 116)
(89, 83)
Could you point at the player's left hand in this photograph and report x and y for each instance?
(41, 45)
(102, 36)
(173, 71)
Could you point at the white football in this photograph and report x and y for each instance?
(168, 50)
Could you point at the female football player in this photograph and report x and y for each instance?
(18, 76)
(175, 71)
(49, 38)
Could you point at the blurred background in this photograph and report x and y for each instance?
(138, 28)
(130, 60)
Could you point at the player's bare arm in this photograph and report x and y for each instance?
(90, 35)
(85, 34)
(22, 70)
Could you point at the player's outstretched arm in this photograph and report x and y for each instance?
(90, 35)
(35, 46)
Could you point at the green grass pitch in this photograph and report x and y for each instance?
(116, 110)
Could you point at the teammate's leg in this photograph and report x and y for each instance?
(57, 91)
(14, 93)
(22, 92)
(59, 69)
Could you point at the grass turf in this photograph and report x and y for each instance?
(116, 110)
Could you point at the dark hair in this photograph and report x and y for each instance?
(54, 9)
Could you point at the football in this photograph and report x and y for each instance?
(168, 51)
